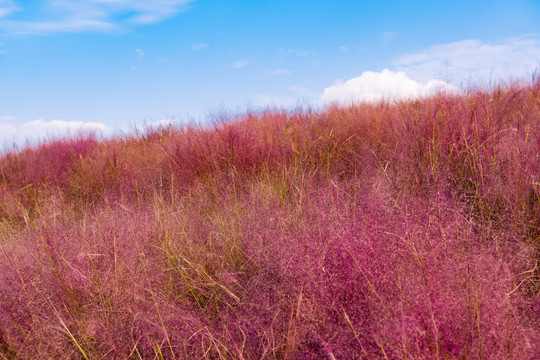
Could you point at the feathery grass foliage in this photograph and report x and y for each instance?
(390, 230)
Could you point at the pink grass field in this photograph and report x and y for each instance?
(406, 230)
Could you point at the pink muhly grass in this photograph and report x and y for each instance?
(393, 230)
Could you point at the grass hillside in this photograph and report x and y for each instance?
(403, 230)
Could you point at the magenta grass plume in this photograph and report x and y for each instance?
(396, 230)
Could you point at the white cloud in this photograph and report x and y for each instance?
(152, 125)
(41, 127)
(199, 47)
(296, 52)
(241, 63)
(474, 60)
(389, 36)
(7, 7)
(164, 123)
(11, 132)
(140, 53)
(8, 132)
(65, 25)
(89, 15)
(7, 118)
(278, 72)
(386, 85)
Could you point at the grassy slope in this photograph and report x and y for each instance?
(400, 231)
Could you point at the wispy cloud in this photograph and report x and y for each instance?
(278, 72)
(7, 7)
(7, 118)
(389, 36)
(85, 15)
(199, 47)
(242, 63)
(474, 60)
(64, 25)
(140, 53)
(296, 52)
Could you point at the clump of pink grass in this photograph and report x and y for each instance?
(392, 230)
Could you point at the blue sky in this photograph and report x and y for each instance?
(115, 64)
